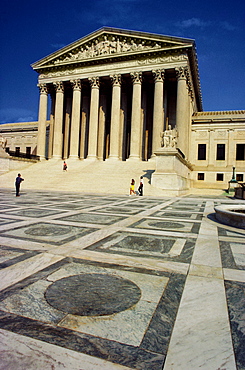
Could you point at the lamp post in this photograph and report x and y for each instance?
(232, 182)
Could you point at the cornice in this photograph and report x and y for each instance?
(215, 113)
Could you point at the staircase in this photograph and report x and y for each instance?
(108, 177)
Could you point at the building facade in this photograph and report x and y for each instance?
(114, 93)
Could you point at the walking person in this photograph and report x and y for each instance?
(64, 166)
(140, 189)
(132, 187)
(18, 181)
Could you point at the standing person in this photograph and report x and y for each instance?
(140, 189)
(18, 180)
(64, 166)
(132, 187)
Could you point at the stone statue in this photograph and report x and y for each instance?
(169, 138)
(3, 142)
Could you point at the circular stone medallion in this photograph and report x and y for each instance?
(92, 294)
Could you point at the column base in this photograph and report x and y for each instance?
(42, 158)
(55, 157)
(134, 158)
(112, 158)
(91, 158)
(74, 158)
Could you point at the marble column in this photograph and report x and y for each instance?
(123, 127)
(136, 140)
(115, 117)
(182, 120)
(75, 118)
(84, 127)
(42, 120)
(51, 127)
(158, 111)
(58, 120)
(101, 127)
(94, 118)
(66, 131)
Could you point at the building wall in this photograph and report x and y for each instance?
(212, 129)
(21, 135)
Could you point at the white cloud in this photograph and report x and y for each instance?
(12, 115)
(192, 22)
(227, 26)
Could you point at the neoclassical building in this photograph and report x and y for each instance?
(114, 91)
(125, 95)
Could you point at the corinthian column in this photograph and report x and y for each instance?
(115, 117)
(42, 119)
(94, 118)
(58, 120)
(75, 118)
(158, 113)
(182, 119)
(136, 140)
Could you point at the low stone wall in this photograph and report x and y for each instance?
(10, 164)
(229, 216)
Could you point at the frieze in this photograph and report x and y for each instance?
(156, 60)
(240, 134)
(107, 46)
(202, 134)
(221, 133)
(165, 59)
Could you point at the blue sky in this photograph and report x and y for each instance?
(32, 30)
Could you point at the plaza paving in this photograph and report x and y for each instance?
(109, 281)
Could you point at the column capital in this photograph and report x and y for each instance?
(43, 89)
(136, 77)
(76, 84)
(189, 84)
(116, 80)
(94, 82)
(181, 73)
(158, 75)
(59, 86)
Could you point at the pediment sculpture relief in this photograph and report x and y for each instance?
(107, 46)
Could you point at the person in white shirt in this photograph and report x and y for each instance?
(140, 189)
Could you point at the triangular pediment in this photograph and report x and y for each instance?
(111, 43)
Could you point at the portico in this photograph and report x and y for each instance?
(112, 94)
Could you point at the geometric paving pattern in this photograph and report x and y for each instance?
(118, 282)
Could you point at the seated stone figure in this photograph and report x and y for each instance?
(169, 138)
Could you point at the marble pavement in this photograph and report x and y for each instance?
(92, 281)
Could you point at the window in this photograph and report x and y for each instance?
(220, 177)
(201, 151)
(28, 151)
(239, 177)
(240, 152)
(200, 176)
(220, 155)
(17, 151)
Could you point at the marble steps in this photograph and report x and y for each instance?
(109, 177)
